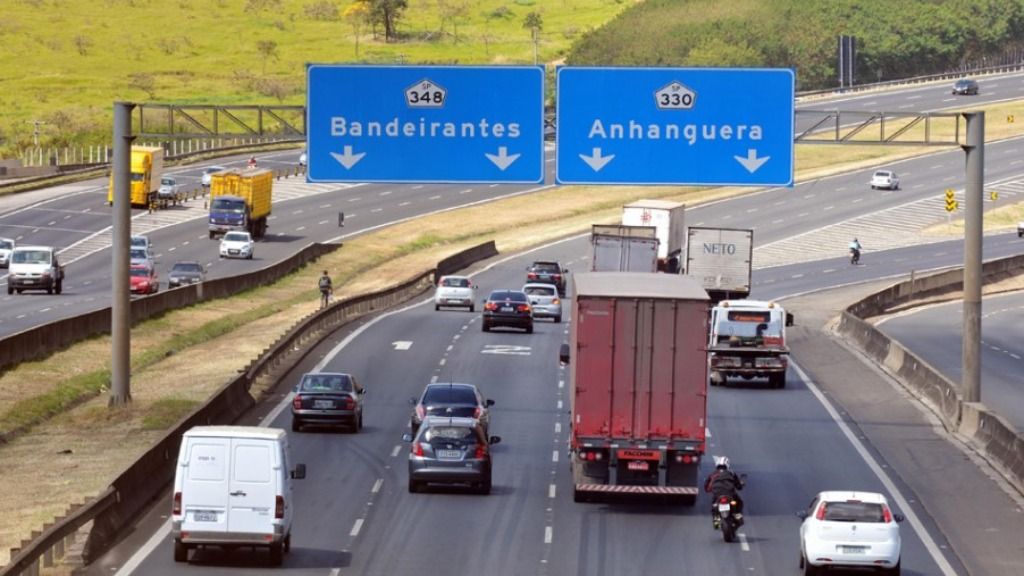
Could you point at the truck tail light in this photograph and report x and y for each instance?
(176, 506)
(279, 507)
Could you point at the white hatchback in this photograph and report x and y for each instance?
(237, 245)
(456, 291)
(850, 529)
(885, 179)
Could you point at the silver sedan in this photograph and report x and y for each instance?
(544, 299)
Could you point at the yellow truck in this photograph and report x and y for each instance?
(240, 200)
(147, 167)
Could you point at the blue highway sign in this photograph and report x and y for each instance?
(686, 126)
(425, 123)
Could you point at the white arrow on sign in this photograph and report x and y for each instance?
(402, 345)
(348, 159)
(502, 159)
(596, 161)
(506, 349)
(752, 162)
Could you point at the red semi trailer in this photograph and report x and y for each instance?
(638, 373)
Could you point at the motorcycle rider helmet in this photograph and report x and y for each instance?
(722, 462)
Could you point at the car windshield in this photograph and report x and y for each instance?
(228, 204)
(187, 267)
(167, 181)
(449, 395)
(138, 241)
(326, 383)
(449, 433)
(140, 272)
(539, 291)
(31, 257)
(236, 237)
(546, 267)
(6, 244)
(139, 254)
(455, 282)
(508, 295)
(852, 511)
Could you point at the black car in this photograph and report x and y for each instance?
(451, 451)
(184, 273)
(328, 398)
(965, 86)
(508, 308)
(548, 273)
(451, 400)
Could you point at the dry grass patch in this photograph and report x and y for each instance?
(1002, 219)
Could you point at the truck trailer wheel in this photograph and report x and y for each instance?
(777, 380)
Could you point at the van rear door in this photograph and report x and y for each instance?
(204, 502)
(253, 486)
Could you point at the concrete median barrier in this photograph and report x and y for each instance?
(991, 435)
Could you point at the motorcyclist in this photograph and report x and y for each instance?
(252, 162)
(723, 482)
(855, 250)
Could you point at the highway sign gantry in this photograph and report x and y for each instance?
(425, 124)
(686, 126)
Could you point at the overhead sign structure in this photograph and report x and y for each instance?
(685, 126)
(425, 124)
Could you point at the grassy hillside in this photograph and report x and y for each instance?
(66, 61)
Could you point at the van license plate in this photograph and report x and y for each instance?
(638, 465)
(202, 516)
(323, 404)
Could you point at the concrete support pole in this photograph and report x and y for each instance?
(973, 218)
(120, 305)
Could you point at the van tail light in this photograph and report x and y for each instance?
(176, 506)
(279, 507)
(481, 452)
(886, 514)
(417, 449)
(821, 511)
(297, 402)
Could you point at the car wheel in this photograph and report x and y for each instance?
(360, 423)
(529, 329)
(49, 289)
(558, 319)
(809, 570)
(180, 551)
(895, 570)
(288, 543)
(211, 235)
(60, 286)
(10, 290)
(276, 553)
(414, 486)
(249, 257)
(437, 307)
(18, 290)
(296, 425)
(485, 326)
(484, 487)
(472, 308)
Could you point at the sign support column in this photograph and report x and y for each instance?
(973, 220)
(120, 305)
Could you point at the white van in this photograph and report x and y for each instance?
(232, 487)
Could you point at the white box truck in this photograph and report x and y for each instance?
(233, 487)
(720, 259)
(623, 248)
(667, 218)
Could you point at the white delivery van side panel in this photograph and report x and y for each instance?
(202, 480)
(255, 475)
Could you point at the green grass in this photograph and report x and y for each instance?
(165, 412)
(67, 61)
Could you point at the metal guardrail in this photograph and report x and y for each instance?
(913, 80)
(142, 482)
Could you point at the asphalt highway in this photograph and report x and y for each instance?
(935, 333)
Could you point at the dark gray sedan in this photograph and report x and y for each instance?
(451, 400)
(184, 273)
(450, 451)
(328, 399)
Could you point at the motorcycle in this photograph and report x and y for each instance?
(728, 517)
(854, 256)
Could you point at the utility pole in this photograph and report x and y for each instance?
(973, 219)
(35, 133)
(120, 305)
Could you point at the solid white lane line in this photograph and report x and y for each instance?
(377, 485)
(901, 501)
(356, 528)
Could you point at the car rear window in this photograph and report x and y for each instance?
(463, 433)
(183, 267)
(546, 267)
(455, 282)
(540, 291)
(326, 383)
(449, 395)
(853, 512)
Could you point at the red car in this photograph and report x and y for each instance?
(144, 280)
